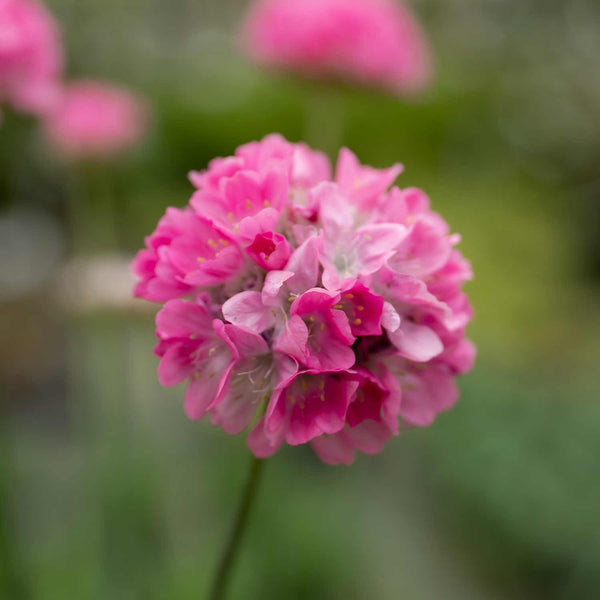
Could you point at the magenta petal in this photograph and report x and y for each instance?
(416, 342)
(233, 413)
(390, 319)
(246, 342)
(334, 449)
(376, 243)
(260, 445)
(425, 250)
(304, 263)
(202, 391)
(293, 339)
(269, 250)
(246, 309)
(369, 436)
(175, 366)
(274, 282)
(180, 318)
(426, 394)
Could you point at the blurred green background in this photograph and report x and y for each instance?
(108, 491)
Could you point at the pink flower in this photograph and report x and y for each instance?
(31, 58)
(372, 42)
(96, 120)
(196, 347)
(185, 253)
(318, 334)
(306, 309)
(269, 250)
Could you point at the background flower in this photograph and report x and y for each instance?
(373, 42)
(94, 119)
(31, 56)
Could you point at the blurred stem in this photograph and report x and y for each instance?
(92, 213)
(12, 575)
(325, 116)
(223, 575)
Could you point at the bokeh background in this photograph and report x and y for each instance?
(108, 491)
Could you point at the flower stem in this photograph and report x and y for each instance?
(325, 117)
(241, 520)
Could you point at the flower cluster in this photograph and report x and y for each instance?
(373, 42)
(95, 120)
(307, 307)
(31, 58)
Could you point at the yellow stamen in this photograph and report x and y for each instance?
(212, 243)
(357, 321)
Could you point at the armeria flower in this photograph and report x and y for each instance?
(372, 42)
(306, 309)
(31, 57)
(95, 120)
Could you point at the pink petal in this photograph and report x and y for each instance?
(261, 445)
(369, 436)
(274, 282)
(247, 343)
(333, 449)
(293, 339)
(175, 365)
(204, 388)
(416, 342)
(181, 318)
(246, 309)
(390, 319)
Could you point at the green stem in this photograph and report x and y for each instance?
(92, 211)
(325, 117)
(223, 575)
(13, 583)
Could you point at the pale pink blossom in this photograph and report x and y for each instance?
(31, 56)
(96, 120)
(308, 309)
(372, 42)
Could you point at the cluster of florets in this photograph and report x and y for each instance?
(372, 42)
(305, 307)
(31, 58)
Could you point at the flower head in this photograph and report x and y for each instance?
(373, 42)
(95, 120)
(306, 308)
(31, 58)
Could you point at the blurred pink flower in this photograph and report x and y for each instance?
(305, 307)
(31, 58)
(372, 42)
(96, 120)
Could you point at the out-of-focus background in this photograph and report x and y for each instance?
(108, 491)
